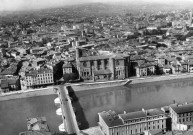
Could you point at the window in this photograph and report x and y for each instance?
(84, 64)
(106, 63)
(84, 73)
(117, 62)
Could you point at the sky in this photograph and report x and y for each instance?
(14, 5)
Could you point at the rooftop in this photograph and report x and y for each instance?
(133, 115)
(111, 118)
(183, 108)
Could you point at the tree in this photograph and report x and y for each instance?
(158, 70)
(70, 77)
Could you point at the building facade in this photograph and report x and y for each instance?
(181, 115)
(103, 67)
(37, 78)
(132, 123)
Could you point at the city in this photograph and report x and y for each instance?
(96, 68)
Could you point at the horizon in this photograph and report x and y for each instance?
(25, 5)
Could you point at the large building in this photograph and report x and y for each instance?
(102, 67)
(37, 78)
(132, 123)
(181, 115)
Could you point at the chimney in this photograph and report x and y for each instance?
(145, 111)
(174, 101)
(77, 43)
(73, 43)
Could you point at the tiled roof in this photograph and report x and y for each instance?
(67, 65)
(137, 57)
(133, 115)
(111, 118)
(141, 114)
(152, 112)
(40, 71)
(182, 108)
(7, 82)
(100, 57)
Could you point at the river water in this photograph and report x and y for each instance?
(13, 113)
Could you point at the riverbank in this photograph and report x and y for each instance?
(94, 85)
(161, 78)
(126, 82)
(26, 94)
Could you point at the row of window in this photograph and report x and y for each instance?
(39, 82)
(42, 75)
(185, 120)
(141, 120)
(98, 63)
(46, 78)
(84, 74)
(185, 114)
(119, 72)
(133, 130)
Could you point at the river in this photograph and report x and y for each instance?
(133, 97)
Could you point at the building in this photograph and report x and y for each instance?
(67, 68)
(10, 84)
(181, 115)
(37, 126)
(133, 122)
(37, 78)
(102, 67)
(145, 69)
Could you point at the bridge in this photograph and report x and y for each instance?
(64, 101)
(69, 124)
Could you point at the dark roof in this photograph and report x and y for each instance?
(156, 111)
(137, 57)
(67, 65)
(70, 59)
(100, 57)
(182, 108)
(102, 72)
(144, 65)
(4, 84)
(133, 115)
(7, 82)
(40, 71)
(111, 118)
